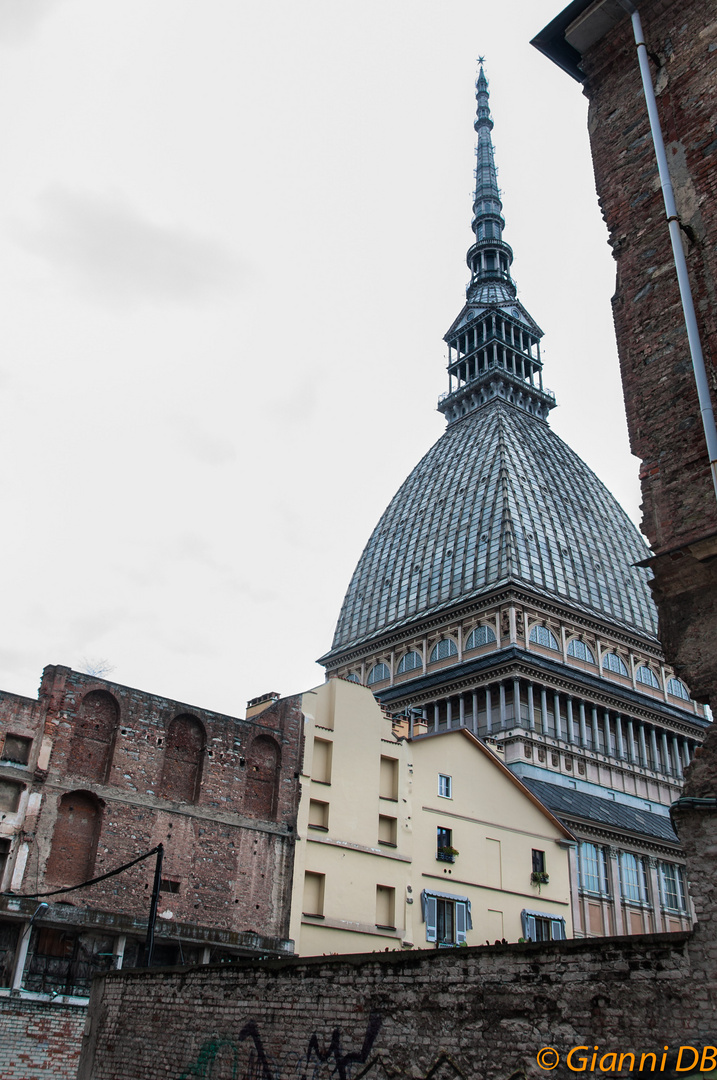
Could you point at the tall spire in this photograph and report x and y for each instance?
(494, 344)
(489, 258)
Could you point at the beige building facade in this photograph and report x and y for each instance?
(417, 842)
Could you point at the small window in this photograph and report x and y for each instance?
(447, 918)
(633, 877)
(410, 662)
(580, 651)
(540, 926)
(385, 907)
(647, 676)
(10, 793)
(482, 635)
(313, 894)
(612, 662)
(378, 673)
(17, 749)
(318, 815)
(445, 786)
(672, 887)
(321, 762)
(388, 779)
(678, 689)
(541, 635)
(352, 677)
(387, 830)
(442, 650)
(445, 852)
(4, 855)
(168, 885)
(592, 868)
(538, 861)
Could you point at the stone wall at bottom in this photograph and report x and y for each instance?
(40, 1040)
(477, 1012)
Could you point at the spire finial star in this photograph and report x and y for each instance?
(481, 60)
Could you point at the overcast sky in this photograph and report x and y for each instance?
(233, 236)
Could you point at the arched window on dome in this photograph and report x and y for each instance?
(482, 635)
(378, 673)
(442, 650)
(646, 675)
(540, 635)
(612, 662)
(410, 662)
(352, 677)
(580, 651)
(678, 689)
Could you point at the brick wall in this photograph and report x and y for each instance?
(35, 1033)
(228, 841)
(679, 507)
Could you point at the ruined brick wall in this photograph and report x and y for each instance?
(218, 792)
(34, 1033)
(679, 508)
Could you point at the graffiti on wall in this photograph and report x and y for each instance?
(246, 1058)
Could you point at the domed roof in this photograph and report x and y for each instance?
(499, 498)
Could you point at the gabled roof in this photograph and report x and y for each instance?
(498, 763)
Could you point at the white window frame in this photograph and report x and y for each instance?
(447, 785)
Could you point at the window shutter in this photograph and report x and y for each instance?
(557, 929)
(431, 907)
(461, 920)
(528, 922)
(469, 917)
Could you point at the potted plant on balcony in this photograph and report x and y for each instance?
(539, 877)
(447, 854)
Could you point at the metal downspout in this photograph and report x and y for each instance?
(688, 308)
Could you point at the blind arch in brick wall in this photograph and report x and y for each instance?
(93, 738)
(263, 767)
(183, 759)
(74, 839)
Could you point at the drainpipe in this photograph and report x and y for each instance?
(688, 308)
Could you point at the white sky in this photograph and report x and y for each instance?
(233, 236)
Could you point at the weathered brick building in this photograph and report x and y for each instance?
(94, 775)
(594, 42)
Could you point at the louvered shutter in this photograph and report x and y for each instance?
(461, 922)
(557, 929)
(528, 922)
(431, 916)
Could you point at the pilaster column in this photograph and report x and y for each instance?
(583, 729)
(653, 884)
(436, 716)
(449, 714)
(517, 718)
(620, 742)
(501, 688)
(643, 745)
(686, 752)
(461, 711)
(488, 711)
(678, 762)
(666, 766)
(607, 733)
(655, 751)
(571, 729)
(556, 715)
(632, 756)
(613, 873)
(544, 711)
(575, 905)
(596, 731)
(23, 944)
(531, 708)
(474, 723)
